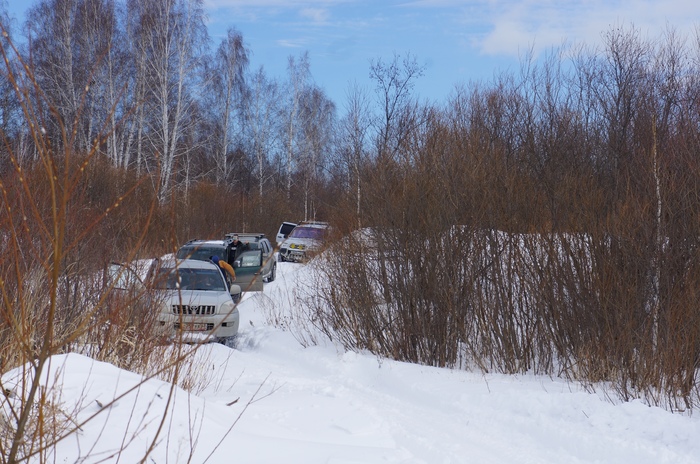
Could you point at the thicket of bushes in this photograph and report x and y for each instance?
(545, 222)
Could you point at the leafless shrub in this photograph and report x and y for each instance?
(65, 214)
(195, 374)
(544, 223)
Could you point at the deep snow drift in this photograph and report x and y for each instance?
(271, 401)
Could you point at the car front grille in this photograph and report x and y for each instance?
(194, 309)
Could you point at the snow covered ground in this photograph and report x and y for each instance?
(273, 401)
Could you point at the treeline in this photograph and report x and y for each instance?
(141, 83)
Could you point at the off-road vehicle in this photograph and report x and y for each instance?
(254, 263)
(197, 304)
(305, 239)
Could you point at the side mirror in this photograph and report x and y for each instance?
(237, 263)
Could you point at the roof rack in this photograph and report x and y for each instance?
(230, 235)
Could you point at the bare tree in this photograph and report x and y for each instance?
(318, 114)
(9, 107)
(136, 33)
(619, 88)
(394, 83)
(52, 40)
(77, 51)
(231, 61)
(299, 75)
(353, 138)
(116, 73)
(173, 32)
(261, 122)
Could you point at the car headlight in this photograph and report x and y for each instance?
(227, 308)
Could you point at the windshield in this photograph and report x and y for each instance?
(189, 279)
(201, 252)
(315, 233)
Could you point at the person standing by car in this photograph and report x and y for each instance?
(238, 247)
(225, 266)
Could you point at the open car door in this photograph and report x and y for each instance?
(248, 266)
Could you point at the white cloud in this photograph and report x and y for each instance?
(515, 25)
(292, 43)
(317, 15)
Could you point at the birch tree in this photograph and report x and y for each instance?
(51, 38)
(318, 114)
(354, 128)
(261, 116)
(173, 32)
(298, 79)
(229, 69)
(137, 46)
(77, 59)
(101, 52)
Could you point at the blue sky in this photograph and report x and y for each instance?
(456, 40)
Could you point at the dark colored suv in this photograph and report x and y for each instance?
(253, 265)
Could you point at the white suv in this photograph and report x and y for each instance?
(305, 239)
(196, 302)
(285, 229)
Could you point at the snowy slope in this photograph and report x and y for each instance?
(271, 400)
